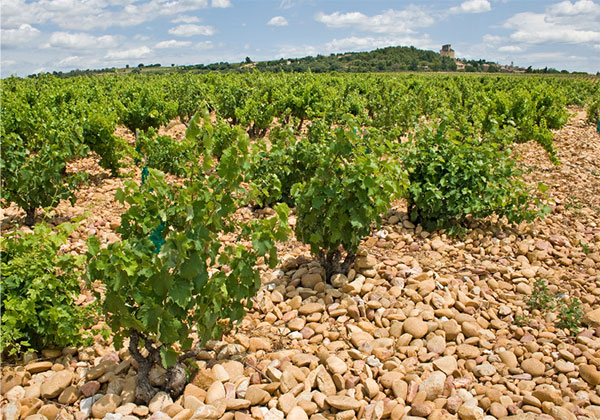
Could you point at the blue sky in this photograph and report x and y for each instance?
(48, 35)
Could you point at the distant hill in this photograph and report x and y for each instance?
(389, 59)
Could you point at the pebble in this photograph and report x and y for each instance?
(436, 344)
(446, 364)
(342, 402)
(433, 386)
(37, 367)
(106, 404)
(561, 413)
(297, 413)
(420, 409)
(592, 318)
(259, 343)
(15, 394)
(69, 395)
(509, 359)
(590, 374)
(214, 393)
(257, 396)
(90, 388)
(416, 327)
(56, 384)
(11, 411)
(424, 325)
(564, 367)
(336, 365)
(533, 366)
(485, 369)
(36, 417)
(467, 351)
(469, 412)
(159, 401)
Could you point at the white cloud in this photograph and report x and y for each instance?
(510, 49)
(186, 19)
(69, 61)
(286, 4)
(138, 52)
(82, 33)
(221, 3)
(566, 8)
(370, 43)
(390, 21)
(173, 44)
(492, 39)
(542, 57)
(21, 35)
(79, 41)
(7, 63)
(355, 44)
(472, 6)
(86, 15)
(541, 28)
(278, 21)
(192, 30)
(294, 51)
(204, 45)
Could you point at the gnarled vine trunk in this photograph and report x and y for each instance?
(30, 217)
(176, 375)
(144, 391)
(333, 264)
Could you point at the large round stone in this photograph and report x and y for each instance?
(415, 327)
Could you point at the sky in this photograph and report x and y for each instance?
(62, 35)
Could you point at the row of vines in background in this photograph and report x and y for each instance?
(47, 122)
(339, 149)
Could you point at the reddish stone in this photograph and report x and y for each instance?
(90, 388)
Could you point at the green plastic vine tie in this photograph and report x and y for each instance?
(145, 174)
(137, 160)
(138, 149)
(156, 236)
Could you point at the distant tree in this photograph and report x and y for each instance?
(140, 65)
(248, 60)
(126, 66)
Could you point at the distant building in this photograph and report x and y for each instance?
(446, 51)
(512, 68)
(460, 65)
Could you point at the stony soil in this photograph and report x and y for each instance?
(424, 326)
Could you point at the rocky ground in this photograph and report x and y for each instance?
(424, 325)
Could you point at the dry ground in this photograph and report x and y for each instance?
(424, 326)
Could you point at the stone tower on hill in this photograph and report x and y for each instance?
(446, 51)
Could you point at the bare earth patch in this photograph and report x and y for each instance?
(425, 325)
